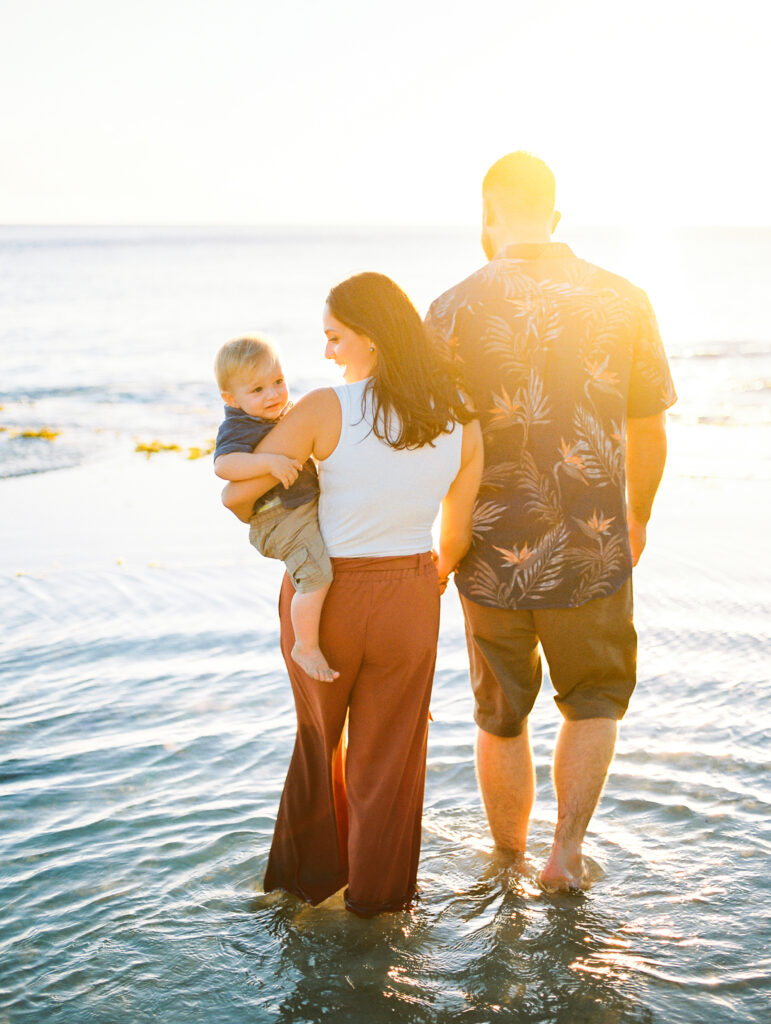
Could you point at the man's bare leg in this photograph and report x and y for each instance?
(581, 761)
(507, 781)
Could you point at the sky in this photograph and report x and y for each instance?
(250, 112)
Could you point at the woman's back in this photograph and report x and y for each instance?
(376, 500)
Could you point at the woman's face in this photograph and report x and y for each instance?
(351, 351)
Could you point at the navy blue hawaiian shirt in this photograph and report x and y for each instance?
(555, 354)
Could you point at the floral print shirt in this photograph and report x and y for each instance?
(555, 354)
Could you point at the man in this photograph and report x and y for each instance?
(564, 362)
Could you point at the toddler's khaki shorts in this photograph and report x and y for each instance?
(292, 535)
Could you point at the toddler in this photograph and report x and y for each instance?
(284, 523)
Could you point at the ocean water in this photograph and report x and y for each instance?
(145, 717)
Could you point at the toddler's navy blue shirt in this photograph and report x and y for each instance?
(240, 432)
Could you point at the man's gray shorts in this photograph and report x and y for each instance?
(591, 652)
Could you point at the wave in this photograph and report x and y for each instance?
(726, 349)
(14, 239)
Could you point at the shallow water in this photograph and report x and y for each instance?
(108, 334)
(147, 727)
(147, 730)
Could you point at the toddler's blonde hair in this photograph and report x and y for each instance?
(236, 357)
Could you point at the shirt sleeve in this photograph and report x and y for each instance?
(440, 325)
(651, 389)
(236, 435)
(433, 323)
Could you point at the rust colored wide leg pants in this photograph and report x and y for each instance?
(354, 816)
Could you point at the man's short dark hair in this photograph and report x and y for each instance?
(521, 184)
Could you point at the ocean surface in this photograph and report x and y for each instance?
(146, 721)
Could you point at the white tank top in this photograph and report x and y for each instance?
(375, 500)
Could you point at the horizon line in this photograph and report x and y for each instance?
(335, 225)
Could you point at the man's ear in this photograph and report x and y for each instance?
(228, 399)
(490, 216)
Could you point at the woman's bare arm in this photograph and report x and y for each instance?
(458, 504)
(239, 497)
(311, 427)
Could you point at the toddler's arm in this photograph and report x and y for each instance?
(312, 427)
(245, 465)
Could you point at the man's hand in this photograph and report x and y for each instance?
(443, 580)
(284, 469)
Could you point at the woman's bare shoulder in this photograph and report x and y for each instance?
(317, 401)
(318, 416)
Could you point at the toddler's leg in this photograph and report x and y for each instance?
(306, 615)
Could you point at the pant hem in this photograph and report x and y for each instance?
(370, 910)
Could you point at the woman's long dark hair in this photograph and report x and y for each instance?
(415, 390)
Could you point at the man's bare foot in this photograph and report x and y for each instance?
(511, 860)
(564, 872)
(511, 869)
(313, 663)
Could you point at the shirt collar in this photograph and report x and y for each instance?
(536, 251)
(233, 413)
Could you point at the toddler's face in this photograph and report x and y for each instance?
(260, 392)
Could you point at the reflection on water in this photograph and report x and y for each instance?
(490, 953)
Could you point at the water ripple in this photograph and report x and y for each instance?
(145, 740)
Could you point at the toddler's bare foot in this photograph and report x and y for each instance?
(313, 663)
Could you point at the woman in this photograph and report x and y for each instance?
(392, 443)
